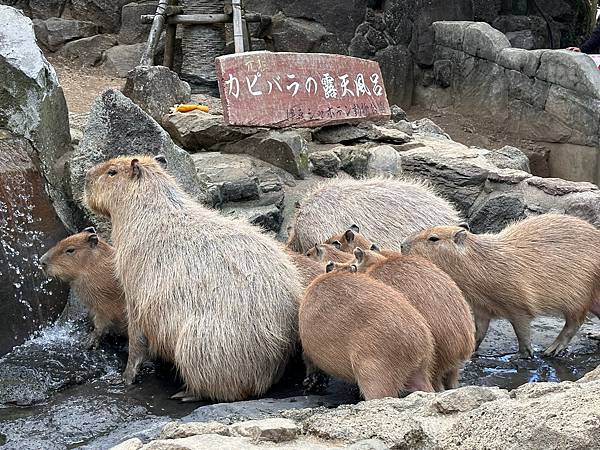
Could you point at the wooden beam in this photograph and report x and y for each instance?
(238, 34)
(170, 36)
(201, 19)
(157, 25)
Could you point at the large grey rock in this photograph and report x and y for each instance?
(88, 51)
(521, 30)
(325, 163)
(121, 59)
(104, 13)
(284, 149)
(383, 161)
(450, 34)
(397, 69)
(574, 71)
(176, 430)
(483, 41)
(155, 89)
(508, 157)
(336, 134)
(132, 30)
(54, 32)
(28, 227)
(117, 126)
(32, 102)
(200, 131)
(520, 60)
(270, 430)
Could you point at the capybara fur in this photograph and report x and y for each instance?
(439, 300)
(349, 240)
(327, 252)
(194, 284)
(386, 209)
(357, 329)
(308, 268)
(543, 265)
(86, 262)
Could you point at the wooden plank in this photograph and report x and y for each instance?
(157, 26)
(299, 89)
(238, 34)
(201, 19)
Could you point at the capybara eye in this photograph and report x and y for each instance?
(111, 172)
(434, 238)
(70, 250)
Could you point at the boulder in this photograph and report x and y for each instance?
(570, 70)
(199, 131)
(325, 163)
(176, 430)
(508, 157)
(40, 9)
(390, 135)
(121, 59)
(383, 161)
(269, 430)
(397, 69)
(155, 89)
(336, 134)
(397, 113)
(117, 126)
(88, 51)
(104, 13)
(54, 32)
(132, 29)
(284, 149)
(28, 227)
(354, 160)
(33, 105)
(483, 41)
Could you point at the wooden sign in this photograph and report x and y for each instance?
(299, 89)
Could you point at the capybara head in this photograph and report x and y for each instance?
(437, 243)
(320, 252)
(365, 259)
(108, 184)
(349, 240)
(68, 259)
(340, 267)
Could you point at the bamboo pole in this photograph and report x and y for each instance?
(238, 33)
(157, 26)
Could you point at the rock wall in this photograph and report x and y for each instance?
(550, 96)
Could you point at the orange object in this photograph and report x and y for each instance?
(191, 107)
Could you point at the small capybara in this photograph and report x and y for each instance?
(327, 252)
(439, 300)
(192, 283)
(349, 240)
(86, 261)
(308, 268)
(387, 210)
(543, 265)
(360, 330)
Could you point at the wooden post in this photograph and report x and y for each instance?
(238, 33)
(157, 26)
(170, 42)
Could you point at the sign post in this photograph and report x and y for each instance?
(299, 89)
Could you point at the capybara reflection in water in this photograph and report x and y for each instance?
(543, 265)
(86, 262)
(194, 284)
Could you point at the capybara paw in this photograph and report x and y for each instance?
(556, 349)
(179, 395)
(128, 378)
(526, 353)
(316, 382)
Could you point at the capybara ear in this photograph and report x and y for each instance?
(465, 225)
(460, 236)
(355, 228)
(375, 248)
(318, 249)
(136, 169)
(93, 240)
(353, 268)
(297, 205)
(337, 244)
(162, 160)
(349, 235)
(359, 254)
(329, 267)
(89, 230)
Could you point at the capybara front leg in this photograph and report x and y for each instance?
(522, 327)
(137, 354)
(451, 379)
(561, 342)
(482, 323)
(315, 381)
(95, 336)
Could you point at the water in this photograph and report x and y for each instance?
(56, 395)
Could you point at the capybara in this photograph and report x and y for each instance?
(439, 300)
(386, 209)
(86, 261)
(360, 330)
(308, 268)
(543, 265)
(349, 240)
(327, 252)
(192, 283)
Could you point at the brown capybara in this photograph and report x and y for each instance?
(362, 331)
(86, 262)
(543, 265)
(387, 210)
(439, 300)
(192, 283)
(308, 268)
(349, 240)
(328, 252)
